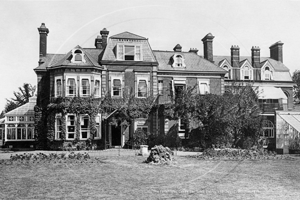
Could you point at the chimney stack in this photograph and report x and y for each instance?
(208, 47)
(194, 50)
(104, 33)
(177, 48)
(235, 56)
(255, 56)
(98, 42)
(43, 30)
(276, 51)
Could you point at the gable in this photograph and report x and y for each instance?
(225, 62)
(127, 35)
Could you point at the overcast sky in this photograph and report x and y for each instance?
(245, 23)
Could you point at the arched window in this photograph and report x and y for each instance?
(78, 55)
(178, 61)
(268, 129)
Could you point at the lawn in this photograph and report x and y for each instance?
(127, 177)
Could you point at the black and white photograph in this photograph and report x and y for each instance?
(149, 99)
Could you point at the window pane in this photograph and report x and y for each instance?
(58, 87)
(19, 134)
(116, 87)
(203, 88)
(160, 87)
(129, 52)
(29, 133)
(78, 57)
(71, 86)
(142, 88)
(85, 87)
(97, 88)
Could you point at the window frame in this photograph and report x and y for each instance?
(67, 86)
(160, 85)
(87, 130)
(265, 72)
(229, 72)
(120, 54)
(142, 78)
(98, 127)
(57, 127)
(207, 82)
(112, 78)
(268, 128)
(67, 125)
(250, 70)
(178, 59)
(56, 89)
(89, 86)
(99, 88)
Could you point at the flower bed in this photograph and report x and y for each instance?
(238, 154)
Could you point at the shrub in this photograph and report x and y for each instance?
(139, 137)
(294, 143)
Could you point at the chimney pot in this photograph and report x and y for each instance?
(194, 50)
(43, 31)
(177, 48)
(104, 33)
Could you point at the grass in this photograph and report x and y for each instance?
(127, 177)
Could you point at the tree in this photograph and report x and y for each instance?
(296, 79)
(21, 97)
(219, 119)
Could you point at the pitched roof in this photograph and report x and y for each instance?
(91, 55)
(192, 61)
(278, 66)
(128, 35)
(26, 109)
(48, 60)
(90, 60)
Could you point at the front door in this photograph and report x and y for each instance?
(115, 135)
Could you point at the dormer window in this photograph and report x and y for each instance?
(246, 73)
(77, 56)
(228, 74)
(129, 52)
(178, 61)
(267, 74)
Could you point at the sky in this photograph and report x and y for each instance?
(165, 23)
